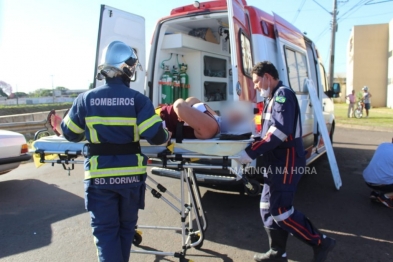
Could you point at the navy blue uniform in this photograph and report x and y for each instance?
(283, 153)
(114, 184)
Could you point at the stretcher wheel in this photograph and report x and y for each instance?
(255, 190)
(195, 238)
(137, 238)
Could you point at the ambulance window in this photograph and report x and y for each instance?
(302, 69)
(265, 28)
(246, 55)
(214, 91)
(214, 67)
(323, 77)
(297, 70)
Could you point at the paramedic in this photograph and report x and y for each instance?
(378, 175)
(281, 147)
(112, 118)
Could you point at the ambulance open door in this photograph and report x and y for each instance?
(293, 69)
(117, 25)
(241, 51)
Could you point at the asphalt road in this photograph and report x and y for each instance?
(42, 216)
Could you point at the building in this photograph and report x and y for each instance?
(369, 54)
(73, 92)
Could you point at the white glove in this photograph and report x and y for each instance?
(244, 158)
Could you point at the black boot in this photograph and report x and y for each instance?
(321, 251)
(278, 242)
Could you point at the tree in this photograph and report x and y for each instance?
(20, 94)
(42, 92)
(5, 88)
(61, 88)
(2, 93)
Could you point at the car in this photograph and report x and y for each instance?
(13, 151)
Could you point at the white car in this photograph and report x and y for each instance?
(13, 150)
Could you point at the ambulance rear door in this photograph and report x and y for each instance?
(293, 69)
(117, 25)
(241, 51)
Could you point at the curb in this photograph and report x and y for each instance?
(370, 128)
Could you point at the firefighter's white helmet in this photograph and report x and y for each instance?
(118, 58)
(365, 88)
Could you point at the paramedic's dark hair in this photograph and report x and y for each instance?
(265, 67)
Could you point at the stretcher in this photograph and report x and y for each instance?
(179, 156)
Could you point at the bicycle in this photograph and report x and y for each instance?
(359, 110)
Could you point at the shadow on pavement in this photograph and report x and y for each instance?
(362, 229)
(24, 225)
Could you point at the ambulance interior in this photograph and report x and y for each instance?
(202, 43)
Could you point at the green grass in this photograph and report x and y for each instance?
(381, 117)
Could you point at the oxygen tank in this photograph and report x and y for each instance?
(166, 87)
(176, 84)
(184, 84)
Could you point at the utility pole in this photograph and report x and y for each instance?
(332, 44)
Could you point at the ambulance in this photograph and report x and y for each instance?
(207, 50)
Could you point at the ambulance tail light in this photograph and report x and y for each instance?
(257, 118)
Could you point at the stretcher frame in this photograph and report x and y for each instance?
(191, 209)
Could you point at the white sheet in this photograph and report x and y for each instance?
(213, 146)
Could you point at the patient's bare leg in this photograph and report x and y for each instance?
(193, 100)
(204, 126)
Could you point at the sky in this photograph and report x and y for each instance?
(53, 42)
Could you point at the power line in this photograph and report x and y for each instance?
(321, 34)
(357, 6)
(378, 2)
(349, 12)
(321, 6)
(299, 10)
(371, 15)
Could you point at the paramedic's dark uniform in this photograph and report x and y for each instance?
(284, 157)
(113, 118)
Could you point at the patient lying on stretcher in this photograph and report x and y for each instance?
(192, 118)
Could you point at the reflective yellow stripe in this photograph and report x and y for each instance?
(72, 126)
(93, 162)
(148, 123)
(109, 121)
(120, 171)
(140, 159)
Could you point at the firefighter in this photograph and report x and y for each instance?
(112, 118)
(283, 153)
